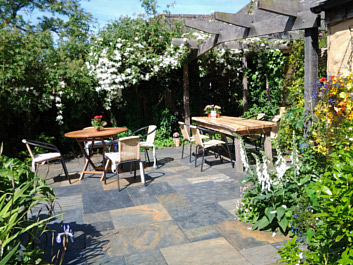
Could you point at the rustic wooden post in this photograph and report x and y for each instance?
(245, 84)
(311, 76)
(186, 95)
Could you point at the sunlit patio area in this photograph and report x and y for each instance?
(181, 216)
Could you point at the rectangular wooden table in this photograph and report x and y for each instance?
(229, 125)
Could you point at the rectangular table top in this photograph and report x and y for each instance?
(230, 125)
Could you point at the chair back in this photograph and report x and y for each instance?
(28, 148)
(184, 131)
(260, 116)
(129, 148)
(152, 129)
(196, 134)
(274, 132)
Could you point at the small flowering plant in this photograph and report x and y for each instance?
(209, 108)
(98, 123)
(175, 135)
(64, 238)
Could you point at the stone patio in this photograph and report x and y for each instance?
(181, 216)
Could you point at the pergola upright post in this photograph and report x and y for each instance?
(311, 76)
(245, 84)
(186, 94)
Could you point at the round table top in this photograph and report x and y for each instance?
(92, 133)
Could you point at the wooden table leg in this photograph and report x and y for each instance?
(84, 169)
(268, 147)
(238, 162)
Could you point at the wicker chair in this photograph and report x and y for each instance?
(40, 159)
(149, 142)
(129, 152)
(205, 145)
(187, 138)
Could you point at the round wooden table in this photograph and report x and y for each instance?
(92, 135)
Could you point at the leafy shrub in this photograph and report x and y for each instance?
(330, 239)
(272, 196)
(20, 192)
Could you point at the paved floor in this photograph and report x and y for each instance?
(182, 216)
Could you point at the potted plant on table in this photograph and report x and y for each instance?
(213, 111)
(97, 122)
(176, 139)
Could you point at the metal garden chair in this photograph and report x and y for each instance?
(40, 159)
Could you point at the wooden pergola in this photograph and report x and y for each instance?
(281, 19)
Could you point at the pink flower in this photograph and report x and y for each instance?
(320, 34)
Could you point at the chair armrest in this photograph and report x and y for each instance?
(141, 129)
(44, 145)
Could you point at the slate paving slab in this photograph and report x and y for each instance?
(149, 257)
(212, 251)
(263, 255)
(99, 201)
(205, 192)
(150, 190)
(173, 200)
(201, 215)
(138, 215)
(139, 238)
(241, 237)
(201, 233)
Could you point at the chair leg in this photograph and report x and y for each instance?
(196, 154)
(182, 150)
(148, 157)
(65, 170)
(135, 168)
(219, 154)
(142, 172)
(117, 174)
(190, 150)
(203, 158)
(154, 157)
(230, 155)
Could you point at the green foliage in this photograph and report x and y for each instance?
(329, 239)
(20, 192)
(167, 124)
(270, 197)
(265, 81)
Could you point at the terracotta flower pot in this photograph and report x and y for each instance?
(98, 129)
(176, 141)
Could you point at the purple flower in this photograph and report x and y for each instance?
(67, 233)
